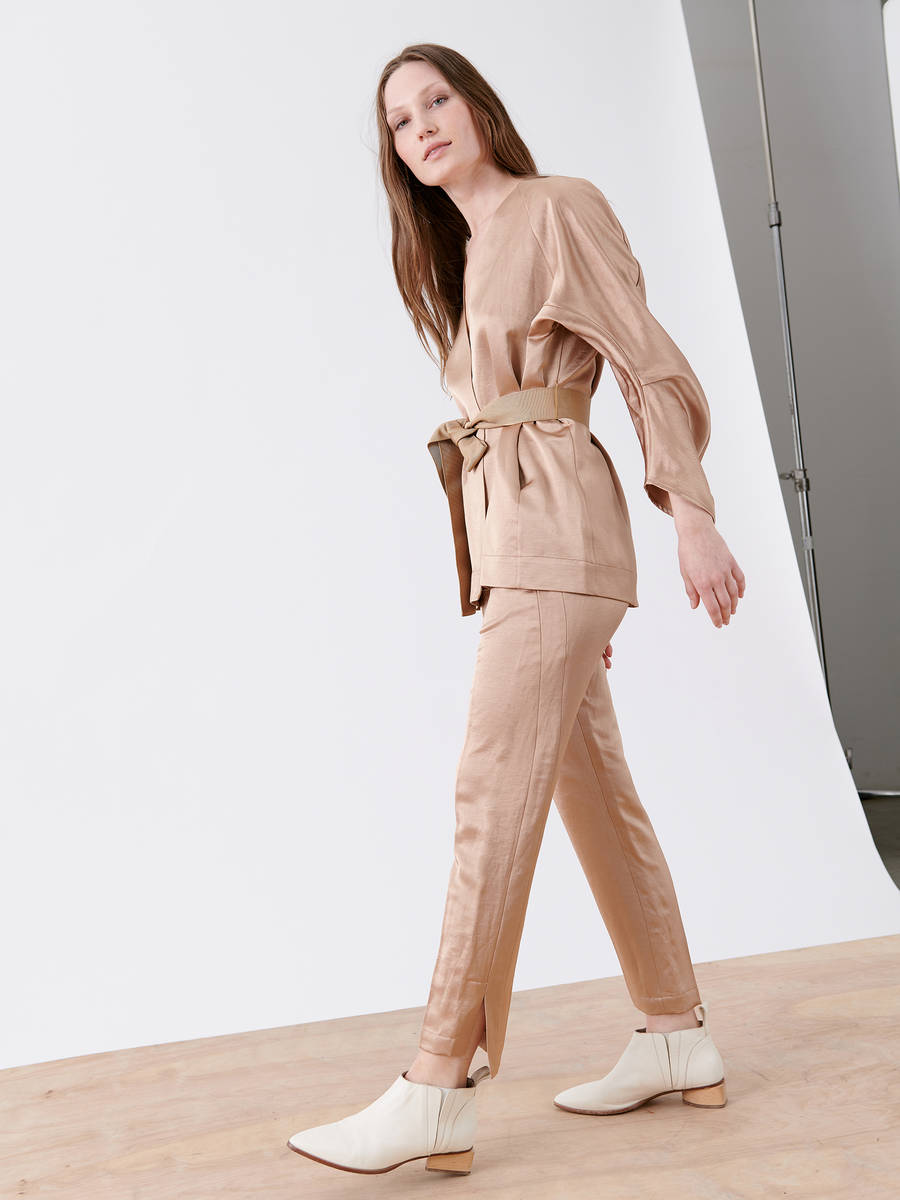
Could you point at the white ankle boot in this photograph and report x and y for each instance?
(686, 1061)
(411, 1120)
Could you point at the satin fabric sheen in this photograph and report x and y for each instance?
(555, 292)
(541, 720)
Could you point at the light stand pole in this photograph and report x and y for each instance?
(799, 474)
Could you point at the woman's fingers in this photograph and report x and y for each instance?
(720, 597)
(607, 656)
(714, 595)
(734, 592)
(723, 599)
(713, 606)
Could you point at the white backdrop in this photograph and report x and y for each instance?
(229, 734)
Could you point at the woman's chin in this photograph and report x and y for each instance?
(436, 174)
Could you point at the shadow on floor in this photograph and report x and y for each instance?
(883, 815)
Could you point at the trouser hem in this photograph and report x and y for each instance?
(660, 1006)
(438, 1043)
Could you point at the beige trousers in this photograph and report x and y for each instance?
(541, 726)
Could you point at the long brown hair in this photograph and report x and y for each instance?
(428, 244)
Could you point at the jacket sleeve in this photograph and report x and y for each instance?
(598, 293)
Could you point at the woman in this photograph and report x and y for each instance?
(524, 285)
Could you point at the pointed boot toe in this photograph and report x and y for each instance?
(331, 1144)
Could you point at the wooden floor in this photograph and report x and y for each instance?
(810, 1038)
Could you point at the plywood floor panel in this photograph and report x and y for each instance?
(810, 1038)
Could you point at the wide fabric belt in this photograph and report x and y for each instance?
(454, 445)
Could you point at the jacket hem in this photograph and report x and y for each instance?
(558, 575)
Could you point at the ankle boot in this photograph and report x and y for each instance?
(411, 1120)
(686, 1061)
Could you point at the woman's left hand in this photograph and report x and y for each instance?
(708, 567)
(607, 656)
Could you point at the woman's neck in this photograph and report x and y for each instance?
(480, 195)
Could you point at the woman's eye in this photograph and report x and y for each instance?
(405, 120)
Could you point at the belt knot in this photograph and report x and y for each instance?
(462, 435)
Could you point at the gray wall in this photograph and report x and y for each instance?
(836, 180)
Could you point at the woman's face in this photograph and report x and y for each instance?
(434, 131)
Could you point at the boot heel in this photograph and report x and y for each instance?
(456, 1164)
(706, 1097)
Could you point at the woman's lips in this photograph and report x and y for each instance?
(436, 151)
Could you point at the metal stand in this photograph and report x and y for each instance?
(799, 474)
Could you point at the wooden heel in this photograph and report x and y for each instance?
(706, 1097)
(456, 1164)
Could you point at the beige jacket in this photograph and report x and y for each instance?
(554, 291)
